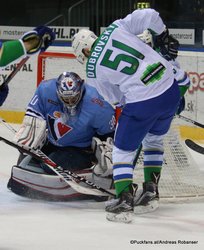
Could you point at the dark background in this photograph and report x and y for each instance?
(99, 13)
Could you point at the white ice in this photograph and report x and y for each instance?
(37, 225)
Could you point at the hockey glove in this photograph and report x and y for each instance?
(39, 39)
(167, 45)
(173, 46)
(46, 35)
(3, 93)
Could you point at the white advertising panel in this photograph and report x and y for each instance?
(193, 64)
(184, 36)
(15, 32)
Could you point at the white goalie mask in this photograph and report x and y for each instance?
(146, 37)
(83, 39)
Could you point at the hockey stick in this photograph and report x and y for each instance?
(71, 178)
(14, 72)
(190, 121)
(74, 186)
(7, 125)
(194, 146)
(137, 155)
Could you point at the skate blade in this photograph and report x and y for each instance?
(125, 217)
(152, 206)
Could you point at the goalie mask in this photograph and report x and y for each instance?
(83, 39)
(70, 89)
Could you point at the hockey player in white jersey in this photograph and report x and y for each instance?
(73, 113)
(123, 68)
(30, 43)
(180, 75)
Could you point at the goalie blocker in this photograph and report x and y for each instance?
(31, 179)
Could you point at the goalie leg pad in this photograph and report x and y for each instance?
(34, 185)
(103, 180)
(102, 171)
(103, 153)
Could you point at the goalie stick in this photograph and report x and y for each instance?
(194, 146)
(15, 71)
(71, 178)
(33, 154)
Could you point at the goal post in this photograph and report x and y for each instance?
(52, 64)
(181, 178)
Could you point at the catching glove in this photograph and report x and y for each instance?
(4, 89)
(40, 39)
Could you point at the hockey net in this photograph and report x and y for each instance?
(181, 177)
(52, 64)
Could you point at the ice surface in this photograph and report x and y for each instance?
(36, 225)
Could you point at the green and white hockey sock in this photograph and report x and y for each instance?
(123, 177)
(153, 160)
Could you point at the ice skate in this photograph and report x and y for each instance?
(121, 209)
(148, 200)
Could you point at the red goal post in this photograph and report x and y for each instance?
(52, 64)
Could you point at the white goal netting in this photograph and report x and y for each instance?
(181, 178)
(51, 65)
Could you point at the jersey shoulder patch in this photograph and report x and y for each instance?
(97, 101)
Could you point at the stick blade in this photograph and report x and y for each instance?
(194, 146)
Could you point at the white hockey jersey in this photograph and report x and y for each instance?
(122, 67)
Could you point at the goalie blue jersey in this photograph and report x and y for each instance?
(93, 115)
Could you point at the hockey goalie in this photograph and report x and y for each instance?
(73, 125)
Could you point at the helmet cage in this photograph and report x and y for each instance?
(70, 88)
